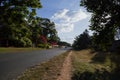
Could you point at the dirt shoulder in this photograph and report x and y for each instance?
(66, 69)
(49, 70)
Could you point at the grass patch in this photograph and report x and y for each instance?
(91, 66)
(49, 70)
(12, 49)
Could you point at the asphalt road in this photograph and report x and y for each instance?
(13, 64)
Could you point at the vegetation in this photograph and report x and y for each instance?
(105, 24)
(13, 21)
(12, 50)
(20, 27)
(62, 43)
(82, 41)
(88, 65)
(105, 21)
(46, 71)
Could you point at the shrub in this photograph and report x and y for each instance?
(41, 45)
(23, 42)
(97, 75)
(19, 42)
(44, 46)
(47, 46)
(28, 42)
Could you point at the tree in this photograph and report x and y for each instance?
(43, 30)
(63, 43)
(82, 41)
(35, 29)
(105, 20)
(13, 20)
(48, 30)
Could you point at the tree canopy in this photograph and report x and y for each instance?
(82, 41)
(63, 43)
(20, 27)
(105, 20)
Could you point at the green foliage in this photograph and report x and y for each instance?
(97, 75)
(62, 43)
(82, 41)
(44, 46)
(101, 41)
(43, 27)
(89, 71)
(96, 66)
(27, 41)
(105, 20)
(23, 42)
(41, 45)
(48, 30)
(47, 46)
(19, 25)
(13, 21)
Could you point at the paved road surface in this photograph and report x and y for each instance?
(13, 64)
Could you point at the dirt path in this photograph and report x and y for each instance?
(66, 70)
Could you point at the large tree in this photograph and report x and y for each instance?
(43, 30)
(82, 41)
(13, 20)
(105, 20)
(35, 29)
(48, 30)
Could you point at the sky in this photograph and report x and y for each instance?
(70, 19)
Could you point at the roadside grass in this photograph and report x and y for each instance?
(13, 49)
(91, 66)
(49, 70)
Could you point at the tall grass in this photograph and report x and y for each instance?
(94, 66)
(12, 49)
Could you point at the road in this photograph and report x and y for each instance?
(13, 64)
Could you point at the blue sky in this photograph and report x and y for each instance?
(70, 19)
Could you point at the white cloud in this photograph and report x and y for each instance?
(66, 19)
(61, 14)
(64, 27)
(76, 16)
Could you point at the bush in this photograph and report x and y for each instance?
(44, 46)
(97, 75)
(19, 43)
(47, 46)
(23, 42)
(83, 41)
(28, 42)
(41, 45)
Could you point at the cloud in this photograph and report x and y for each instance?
(66, 19)
(64, 27)
(60, 14)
